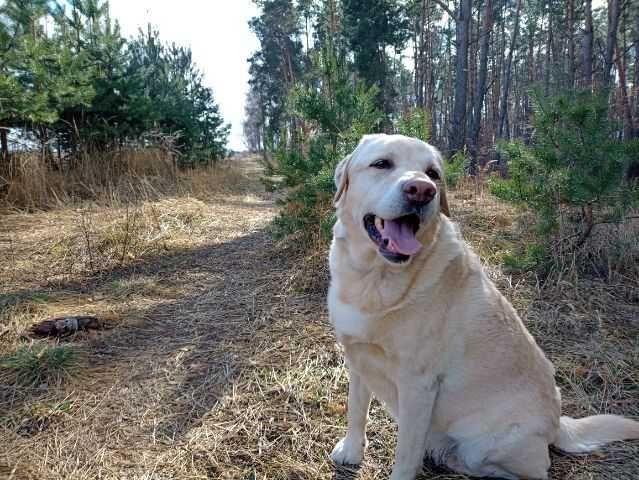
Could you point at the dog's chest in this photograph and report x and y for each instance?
(350, 323)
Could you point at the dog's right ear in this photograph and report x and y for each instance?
(443, 201)
(342, 168)
(341, 177)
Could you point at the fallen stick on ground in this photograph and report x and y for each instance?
(64, 326)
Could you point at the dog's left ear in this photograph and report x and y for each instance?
(443, 201)
(341, 177)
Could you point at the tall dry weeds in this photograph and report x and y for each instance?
(113, 178)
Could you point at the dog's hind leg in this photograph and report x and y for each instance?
(485, 470)
(526, 458)
(513, 454)
(350, 449)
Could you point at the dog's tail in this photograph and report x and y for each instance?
(587, 434)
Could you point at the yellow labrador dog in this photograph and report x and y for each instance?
(426, 331)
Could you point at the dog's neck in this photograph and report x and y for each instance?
(369, 283)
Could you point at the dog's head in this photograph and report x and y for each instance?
(390, 191)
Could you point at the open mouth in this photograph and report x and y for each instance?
(395, 238)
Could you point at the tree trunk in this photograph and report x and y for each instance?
(504, 98)
(480, 93)
(498, 71)
(447, 93)
(473, 64)
(429, 74)
(571, 43)
(416, 67)
(420, 57)
(586, 47)
(611, 40)
(530, 60)
(622, 67)
(548, 59)
(625, 102)
(457, 133)
(306, 32)
(4, 143)
(635, 76)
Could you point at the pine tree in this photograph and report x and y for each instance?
(80, 86)
(370, 27)
(277, 66)
(576, 162)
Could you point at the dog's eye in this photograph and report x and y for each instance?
(432, 173)
(382, 164)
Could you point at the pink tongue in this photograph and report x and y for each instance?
(401, 238)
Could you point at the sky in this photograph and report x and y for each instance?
(218, 34)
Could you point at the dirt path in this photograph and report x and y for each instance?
(219, 362)
(160, 395)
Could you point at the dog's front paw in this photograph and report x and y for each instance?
(403, 474)
(349, 451)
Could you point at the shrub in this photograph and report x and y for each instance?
(572, 176)
(456, 168)
(415, 123)
(338, 111)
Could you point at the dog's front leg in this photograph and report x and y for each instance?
(415, 405)
(350, 449)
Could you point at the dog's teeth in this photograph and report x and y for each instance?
(379, 223)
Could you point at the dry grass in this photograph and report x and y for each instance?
(119, 178)
(219, 361)
(610, 252)
(586, 319)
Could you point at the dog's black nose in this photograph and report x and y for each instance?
(419, 191)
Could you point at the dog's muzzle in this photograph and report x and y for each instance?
(395, 238)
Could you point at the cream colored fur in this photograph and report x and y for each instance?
(435, 340)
